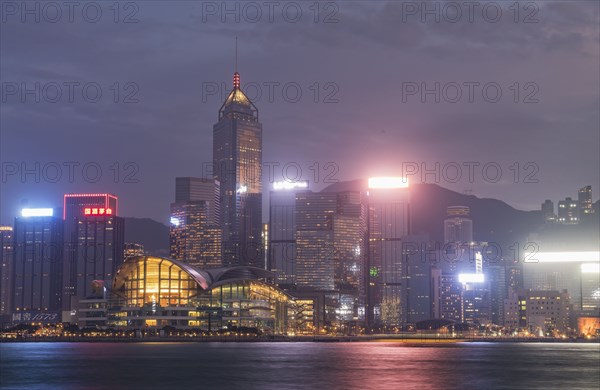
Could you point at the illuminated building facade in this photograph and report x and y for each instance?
(547, 311)
(458, 227)
(151, 292)
(195, 235)
(36, 268)
(195, 189)
(6, 264)
(94, 237)
(237, 164)
(314, 240)
(388, 223)
(450, 296)
(133, 249)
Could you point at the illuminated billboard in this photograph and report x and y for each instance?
(97, 211)
(590, 268)
(471, 278)
(388, 182)
(37, 212)
(289, 185)
(562, 257)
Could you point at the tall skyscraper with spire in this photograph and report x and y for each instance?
(237, 158)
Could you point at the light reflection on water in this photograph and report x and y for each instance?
(355, 365)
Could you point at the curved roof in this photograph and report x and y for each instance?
(206, 278)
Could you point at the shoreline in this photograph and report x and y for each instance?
(300, 339)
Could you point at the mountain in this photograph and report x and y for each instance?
(493, 220)
(153, 235)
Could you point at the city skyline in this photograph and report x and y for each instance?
(353, 194)
(360, 134)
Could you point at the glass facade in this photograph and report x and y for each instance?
(152, 292)
(193, 238)
(237, 165)
(155, 281)
(36, 265)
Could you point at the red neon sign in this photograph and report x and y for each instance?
(97, 211)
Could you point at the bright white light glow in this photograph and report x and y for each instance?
(562, 257)
(388, 182)
(175, 221)
(289, 185)
(470, 278)
(242, 190)
(590, 268)
(37, 212)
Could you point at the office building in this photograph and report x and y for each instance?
(282, 231)
(388, 222)
(195, 235)
(237, 165)
(94, 245)
(6, 259)
(36, 268)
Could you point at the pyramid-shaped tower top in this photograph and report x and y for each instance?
(237, 101)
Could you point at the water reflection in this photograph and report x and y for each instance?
(389, 365)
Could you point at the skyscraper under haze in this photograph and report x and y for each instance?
(458, 227)
(237, 165)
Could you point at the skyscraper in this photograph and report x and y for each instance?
(330, 236)
(388, 223)
(237, 164)
(282, 231)
(458, 227)
(94, 245)
(195, 236)
(6, 260)
(314, 240)
(36, 270)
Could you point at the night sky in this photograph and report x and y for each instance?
(362, 122)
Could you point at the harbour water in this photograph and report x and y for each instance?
(305, 365)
